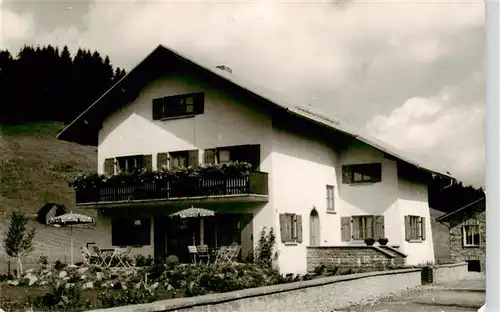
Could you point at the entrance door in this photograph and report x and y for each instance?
(246, 228)
(314, 228)
(160, 237)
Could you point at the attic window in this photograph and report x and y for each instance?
(178, 106)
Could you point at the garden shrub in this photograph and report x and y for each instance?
(265, 254)
(172, 261)
(61, 298)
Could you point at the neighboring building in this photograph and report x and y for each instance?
(467, 227)
(316, 181)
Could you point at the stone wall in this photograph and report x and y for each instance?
(314, 295)
(352, 256)
(460, 253)
(449, 272)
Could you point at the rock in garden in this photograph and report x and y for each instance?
(155, 285)
(138, 285)
(14, 283)
(99, 276)
(63, 274)
(83, 277)
(88, 285)
(32, 279)
(124, 287)
(82, 270)
(68, 285)
(170, 287)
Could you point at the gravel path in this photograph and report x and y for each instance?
(460, 296)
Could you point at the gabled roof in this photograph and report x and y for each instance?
(464, 212)
(261, 92)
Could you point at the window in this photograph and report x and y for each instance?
(224, 157)
(362, 227)
(415, 228)
(178, 106)
(471, 236)
(177, 159)
(132, 163)
(130, 232)
(362, 173)
(291, 228)
(330, 203)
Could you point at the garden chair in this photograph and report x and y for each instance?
(221, 254)
(193, 252)
(203, 252)
(232, 253)
(87, 255)
(101, 257)
(121, 255)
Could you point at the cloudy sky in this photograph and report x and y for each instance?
(411, 73)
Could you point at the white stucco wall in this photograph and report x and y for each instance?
(226, 121)
(302, 167)
(299, 167)
(413, 200)
(371, 198)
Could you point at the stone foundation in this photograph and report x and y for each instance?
(352, 256)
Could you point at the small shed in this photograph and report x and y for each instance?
(50, 210)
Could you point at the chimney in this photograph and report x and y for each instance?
(224, 67)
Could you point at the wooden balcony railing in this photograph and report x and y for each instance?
(256, 183)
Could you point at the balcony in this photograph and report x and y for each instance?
(188, 190)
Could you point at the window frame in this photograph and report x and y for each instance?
(369, 172)
(330, 198)
(178, 106)
(178, 155)
(363, 219)
(138, 160)
(464, 235)
(415, 227)
(295, 234)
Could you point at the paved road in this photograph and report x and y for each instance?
(460, 296)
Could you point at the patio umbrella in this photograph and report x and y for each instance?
(71, 219)
(195, 213)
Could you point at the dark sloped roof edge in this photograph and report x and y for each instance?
(464, 208)
(276, 99)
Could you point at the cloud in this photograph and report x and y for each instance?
(401, 66)
(437, 125)
(14, 28)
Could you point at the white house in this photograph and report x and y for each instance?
(319, 183)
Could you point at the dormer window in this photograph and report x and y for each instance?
(185, 105)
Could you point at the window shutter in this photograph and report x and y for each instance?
(157, 108)
(379, 227)
(346, 175)
(422, 224)
(170, 162)
(148, 162)
(109, 166)
(407, 228)
(356, 223)
(193, 159)
(298, 223)
(345, 228)
(210, 156)
(283, 227)
(162, 161)
(199, 103)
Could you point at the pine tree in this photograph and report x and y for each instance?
(18, 239)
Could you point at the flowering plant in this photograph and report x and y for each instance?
(214, 171)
